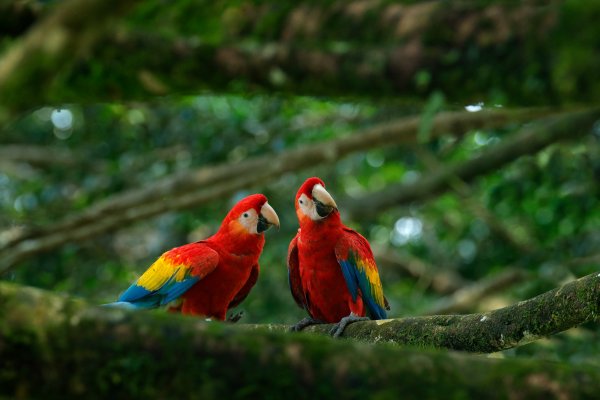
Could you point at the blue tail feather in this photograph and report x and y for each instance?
(122, 304)
(134, 293)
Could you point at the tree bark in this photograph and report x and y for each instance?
(199, 186)
(55, 347)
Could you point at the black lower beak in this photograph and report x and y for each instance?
(262, 224)
(322, 209)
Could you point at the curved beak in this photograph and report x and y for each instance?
(323, 201)
(266, 218)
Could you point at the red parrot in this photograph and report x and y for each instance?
(331, 269)
(212, 275)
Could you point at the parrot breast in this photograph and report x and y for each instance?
(329, 299)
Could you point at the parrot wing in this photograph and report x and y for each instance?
(241, 295)
(294, 274)
(360, 272)
(171, 275)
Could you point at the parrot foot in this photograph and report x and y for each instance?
(235, 317)
(338, 329)
(303, 323)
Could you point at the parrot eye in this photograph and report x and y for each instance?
(301, 202)
(245, 215)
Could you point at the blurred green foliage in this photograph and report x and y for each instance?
(547, 202)
(551, 198)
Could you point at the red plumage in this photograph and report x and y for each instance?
(331, 268)
(233, 277)
(211, 275)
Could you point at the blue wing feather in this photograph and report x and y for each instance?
(172, 290)
(133, 293)
(171, 275)
(356, 278)
(140, 297)
(376, 311)
(360, 273)
(349, 272)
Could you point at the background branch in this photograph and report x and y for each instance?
(199, 186)
(39, 155)
(441, 280)
(524, 243)
(528, 140)
(466, 298)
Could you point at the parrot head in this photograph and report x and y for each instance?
(251, 215)
(313, 201)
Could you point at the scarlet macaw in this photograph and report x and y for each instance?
(331, 270)
(212, 275)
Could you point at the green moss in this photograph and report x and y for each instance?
(55, 347)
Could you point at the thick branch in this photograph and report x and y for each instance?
(199, 186)
(53, 347)
(573, 304)
(529, 140)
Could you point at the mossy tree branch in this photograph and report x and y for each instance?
(45, 351)
(573, 304)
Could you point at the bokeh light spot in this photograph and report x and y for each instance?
(406, 229)
(474, 107)
(62, 119)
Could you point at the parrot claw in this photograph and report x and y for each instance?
(338, 329)
(303, 323)
(235, 317)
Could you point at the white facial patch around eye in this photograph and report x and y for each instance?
(308, 208)
(249, 219)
